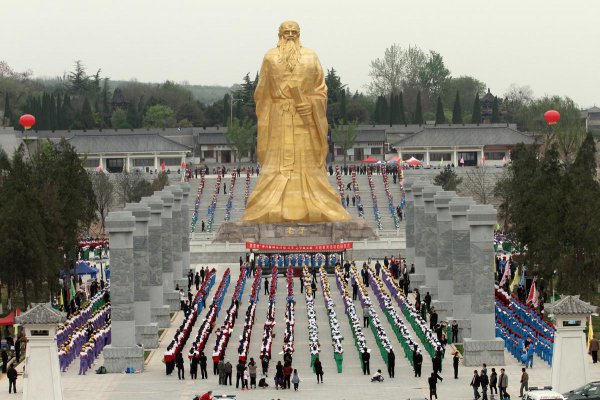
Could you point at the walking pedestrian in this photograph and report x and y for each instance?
(455, 361)
(228, 372)
(417, 361)
(475, 382)
(391, 363)
(366, 359)
(296, 380)
(484, 381)
(454, 331)
(594, 347)
(493, 382)
(503, 383)
(524, 382)
(12, 374)
(432, 380)
(194, 368)
(266, 286)
(252, 371)
(179, 364)
(202, 362)
(318, 370)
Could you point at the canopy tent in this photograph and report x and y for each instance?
(10, 318)
(370, 160)
(413, 161)
(380, 162)
(84, 268)
(395, 160)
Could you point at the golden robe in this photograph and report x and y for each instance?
(292, 185)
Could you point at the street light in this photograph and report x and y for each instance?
(233, 101)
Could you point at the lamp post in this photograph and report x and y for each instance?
(231, 103)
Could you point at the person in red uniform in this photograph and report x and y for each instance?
(207, 396)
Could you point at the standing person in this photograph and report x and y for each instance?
(203, 226)
(455, 361)
(4, 361)
(296, 380)
(197, 281)
(239, 374)
(594, 347)
(228, 372)
(252, 372)
(377, 268)
(265, 364)
(417, 361)
(524, 382)
(246, 379)
(366, 359)
(221, 371)
(436, 361)
(202, 361)
(493, 382)
(484, 381)
(179, 364)
(12, 374)
(454, 331)
(503, 383)
(266, 286)
(194, 368)
(18, 349)
(428, 301)
(318, 370)
(301, 284)
(365, 316)
(202, 273)
(279, 376)
(354, 291)
(287, 375)
(432, 380)
(475, 382)
(391, 363)
(433, 318)
(182, 298)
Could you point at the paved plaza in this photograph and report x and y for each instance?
(351, 384)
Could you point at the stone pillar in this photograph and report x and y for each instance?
(417, 278)
(178, 276)
(429, 237)
(171, 296)
(461, 266)
(123, 352)
(41, 378)
(444, 254)
(146, 332)
(483, 346)
(159, 312)
(419, 218)
(185, 228)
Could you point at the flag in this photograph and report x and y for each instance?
(483, 158)
(590, 332)
(522, 281)
(506, 275)
(183, 165)
(515, 281)
(532, 299)
(61, 300)
(72, 291)
(162, 166)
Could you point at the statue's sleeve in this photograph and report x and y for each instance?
(319, 105)
(262, 98)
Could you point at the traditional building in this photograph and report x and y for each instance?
(592, 120)
(368, 142)
(442, 145)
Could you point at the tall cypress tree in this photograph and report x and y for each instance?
(401, 113)
(495, 111)
(380, 115)
(393, 117)
(343, 112)
(86, 118)
(476, 116)
(440, 117)
(68, 113)
(133, 117)
(7, 110)
(456, 111)
(226, 109)
(419, 111)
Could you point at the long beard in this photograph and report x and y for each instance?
(289, 53)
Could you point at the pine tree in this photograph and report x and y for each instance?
(393, 116)
(495, 111)
(476, 116)
(384, 111)
(68, 113)
(440, 117)
(419, 111)
(343, 112)
(86, 118)
(226, 109)
(401, 113)
(7, 110)
(457, 112)
(133, 117)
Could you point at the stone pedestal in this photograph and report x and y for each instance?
(483, 347)
(42, 378)
(489, 351)
(443, 304)
(123, 352)
(419, 227)
(185, 228)
(171, 297)
(461, 265)
(297, 233)
(159, 311)
(146, 332)
(178, 274)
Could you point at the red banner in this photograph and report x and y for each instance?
(319, 247)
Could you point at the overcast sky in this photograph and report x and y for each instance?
(551, 45)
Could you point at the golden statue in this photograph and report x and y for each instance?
(291, 104)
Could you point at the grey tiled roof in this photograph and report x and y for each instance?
(570, 305)
(41, 313)
(123, 142)
(458, 135)
(370, 135)
(212, 137)
(9, 142)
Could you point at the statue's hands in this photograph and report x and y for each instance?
(304, 109)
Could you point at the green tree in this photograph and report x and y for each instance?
(380, 115)
(344, 136)
(7, 117)
(334, 86)
(133, 115)
(131, 187)
(440, 117)
(357, 111)
(226, 109)
(241, 136)
(495, 111)
(86, 118)
(476, 115)
(161, 180)
(418, 119)
(447, 179)
(118, 119)
(434, 74)
(467, 86)
(159, 116)
(78, 81)
(457, 111)
(103, 193)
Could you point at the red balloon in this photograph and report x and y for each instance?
(551, 117)
(27, 121)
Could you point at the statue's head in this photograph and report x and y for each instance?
(289, 44)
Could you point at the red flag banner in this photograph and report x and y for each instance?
(318, 247)
(162, 166)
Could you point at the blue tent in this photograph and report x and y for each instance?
(84, 268)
